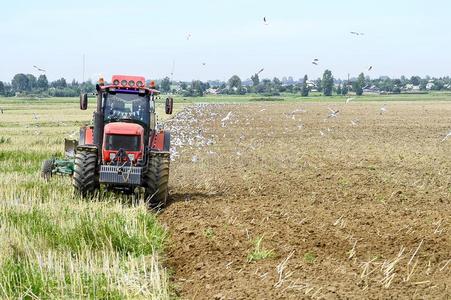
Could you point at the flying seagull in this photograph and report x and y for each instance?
(357, 33)
(188, 36)
(315, 59)
(447, 136)
(264, 21)
(370, 68)
(226, 118)
(354, 122)
(39, 69)
(333, 113)
(315, 63)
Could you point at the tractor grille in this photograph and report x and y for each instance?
(120, 175)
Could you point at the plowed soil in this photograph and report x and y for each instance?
(345, 209)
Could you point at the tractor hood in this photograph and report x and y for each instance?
(123, 140)
(123, 128)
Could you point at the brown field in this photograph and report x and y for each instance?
(362, 211)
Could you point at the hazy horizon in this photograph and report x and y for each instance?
(213, 41)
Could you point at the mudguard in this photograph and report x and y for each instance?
(86, 135)
(161, 141)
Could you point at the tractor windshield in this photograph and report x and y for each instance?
(126, 106)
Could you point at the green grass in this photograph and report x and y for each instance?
(55, 245)
(21, 103)
(309, 257)
(209, 233)
(258, 252)
(315, 97)
(95, 230)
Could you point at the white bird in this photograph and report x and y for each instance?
(315, 63)
(265, 22)
(315, 59)
(194, 159)
(39, 69)
(226, 118)
(354, 122)
(333, 113)
(322, 133)
(35, 116)
(349, 100)
(357, 33)
(301, 110)
(447, 136)
(370, 68)
(383, 110)
(188, 36)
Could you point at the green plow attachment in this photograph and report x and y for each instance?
(60, 166)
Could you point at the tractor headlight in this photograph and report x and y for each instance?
(124, 82)
(112, 156)
(131, 83)
(116, 82)
(131, 157)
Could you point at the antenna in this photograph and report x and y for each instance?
(172, 76)
(173, 68)
(83, 68)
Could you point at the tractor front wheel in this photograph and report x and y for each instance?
(156, 181)
(85, 179)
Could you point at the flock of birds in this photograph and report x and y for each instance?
(188, 127)
(315, 61)
(183, 125)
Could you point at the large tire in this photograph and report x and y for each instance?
(46, 169)
(85, 179)
(156, 181)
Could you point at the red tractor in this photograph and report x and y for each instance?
(124, 150)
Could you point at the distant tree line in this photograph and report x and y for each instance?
(327, 85)
(28, 85)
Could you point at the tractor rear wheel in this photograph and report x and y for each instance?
(85, 179)
(46, 169)
(156, 181)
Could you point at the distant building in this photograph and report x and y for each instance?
(371, 89)
(311, 84)
(212, 91)
(412, 88)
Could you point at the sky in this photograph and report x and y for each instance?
(150, 38)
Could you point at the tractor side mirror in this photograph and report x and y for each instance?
(84, 101)
(169, 105)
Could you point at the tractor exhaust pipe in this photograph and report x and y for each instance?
(98, 123)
